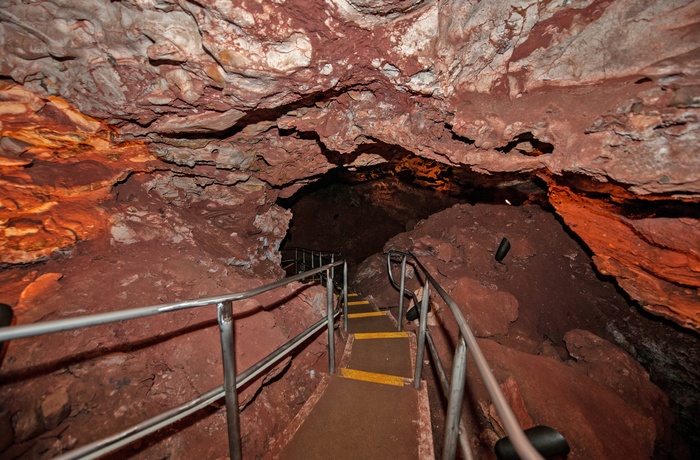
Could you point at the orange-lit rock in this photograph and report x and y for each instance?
(656, 260)
(56, 166)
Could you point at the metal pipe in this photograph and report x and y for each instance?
(401, 291)
(522, 445)
(303, 261)
(47, 327)
(329, 316)
(454, 403)
(333, 269)
(439, 368)
(424, 305)
(510, 422)
(224, 312)
(141, 430)
(345, 296)
(442, 379)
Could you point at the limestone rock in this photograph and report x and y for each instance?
(27, 424)
(488, 311)
(55, 407)
(68, 163)
(648, 256)
(281, 92)
(609, 365)
(567, 400)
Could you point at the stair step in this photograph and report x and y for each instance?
(385, 379)
(367, 314)
(353, 294)
(358, 302)
(381, 335)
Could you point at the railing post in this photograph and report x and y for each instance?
(401, 289)
(345, 296)
(333, 268)
(331, 335)
(224, 311)
(303, 263)
(454, 403)
(424, 305)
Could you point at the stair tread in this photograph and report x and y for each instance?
(375, 377)
(383, 420)
(387, 356)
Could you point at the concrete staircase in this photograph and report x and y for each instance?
(369, 408)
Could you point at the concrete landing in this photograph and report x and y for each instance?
(368, 409)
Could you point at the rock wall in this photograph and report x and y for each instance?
(522, 311)
(272, 94)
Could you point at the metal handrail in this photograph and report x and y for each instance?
(455, 389)
(232, 382)
(300, 261)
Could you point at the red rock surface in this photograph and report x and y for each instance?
(609, 365)
(262, 92)
(546, 369)
(66, 389)
(654, 259)
(282, 92)
(57, 165)
(595, 421)
(489, 311)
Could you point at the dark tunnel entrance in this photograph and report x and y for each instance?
(355, 211)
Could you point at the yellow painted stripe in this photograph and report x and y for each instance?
(380, 335)
(359, 302)
(367, 314)
(352, 294)
(384, 379)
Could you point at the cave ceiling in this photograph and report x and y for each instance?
(599, 98)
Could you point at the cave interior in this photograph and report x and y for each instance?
(157, 151)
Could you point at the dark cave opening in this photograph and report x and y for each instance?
(374, 203)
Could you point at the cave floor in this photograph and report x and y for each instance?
(368, 408)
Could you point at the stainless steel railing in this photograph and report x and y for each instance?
(299, 260)
(454, 429)
(232, 382)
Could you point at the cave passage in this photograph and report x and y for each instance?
(356, 211)
(548, 270)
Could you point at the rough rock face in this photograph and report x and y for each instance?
(585, 386)
(246, 91)
(56, 165)
(64, 390)
(655, 259)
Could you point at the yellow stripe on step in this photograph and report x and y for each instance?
(358, 302)
(366, 314)
(352, 294)
(385, 379)
(380, 335)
